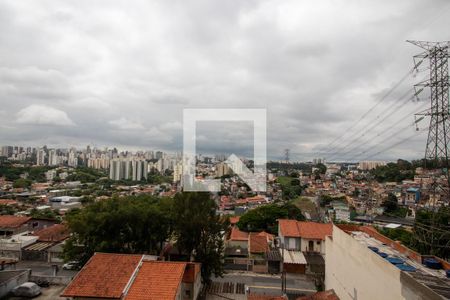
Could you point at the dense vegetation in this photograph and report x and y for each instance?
(325, 200)
(141, 224)
(430, 234)
(391, 207)
(397, 172)
(275, 165)
(265, 217)
(290, 187)
(12, 172)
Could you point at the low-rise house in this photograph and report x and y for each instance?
(133, 277)
(248, 251)
(10, 225)
(303, 236)
(47, 238)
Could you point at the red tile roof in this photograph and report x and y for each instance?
(269, 236)
(326, 295)
(7, 202)
(234, 220)
(289, 228)
(54, 233)
(317, 231)
(237, 235)
(105, 275)
(8, 221)
(258, 243)
(156, 280)
(307, 230)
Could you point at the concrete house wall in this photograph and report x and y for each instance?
(355, 272)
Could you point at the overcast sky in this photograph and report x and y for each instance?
(119, 73)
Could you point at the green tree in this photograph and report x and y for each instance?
(199, 231)
(265, 217)
(322, 168)
(44, 214)
(431, 232)
(22, 183)
(135, 224)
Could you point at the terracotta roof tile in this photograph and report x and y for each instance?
(308, 230)
(237, 235)
(313, 230)
(105, 275)
(54, 233)
(269, 236)
(156, 280)
(7, 202)
(258, 243)
(289, 228)
(8, 221)
(234, 220)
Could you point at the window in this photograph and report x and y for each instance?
(318, 242)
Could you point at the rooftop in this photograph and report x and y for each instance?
(54, 233)
(307, 230)
(407, 261)
(237, 235)
(8, 221)
(104, 275)
(258, 243)
(156, 280)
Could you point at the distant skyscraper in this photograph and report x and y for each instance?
(73, 159)
(128, 169)
(40, 157)
(52, 158)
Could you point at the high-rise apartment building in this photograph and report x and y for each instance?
(40, 157)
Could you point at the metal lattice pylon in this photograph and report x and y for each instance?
(437, 149)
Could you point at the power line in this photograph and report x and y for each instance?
(396, 144)
(379, 101)
(367, 130)
(392, 126)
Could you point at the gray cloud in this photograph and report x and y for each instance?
(123, 73)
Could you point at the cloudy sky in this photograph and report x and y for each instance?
(120, 73)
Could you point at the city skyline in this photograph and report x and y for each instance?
(121, 76)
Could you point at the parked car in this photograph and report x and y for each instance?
(71, 265)
(27, 289)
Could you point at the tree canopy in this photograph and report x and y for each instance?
(141, 224)
(265, 217)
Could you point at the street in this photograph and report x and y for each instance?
(234, 285)
(44, 268)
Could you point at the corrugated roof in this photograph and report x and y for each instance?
(294, 257)
(39, 246)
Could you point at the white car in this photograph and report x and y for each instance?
(72, 265)
(27, 289)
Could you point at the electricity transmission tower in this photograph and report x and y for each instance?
(430, 233)
(437, 149)
(286, 156)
